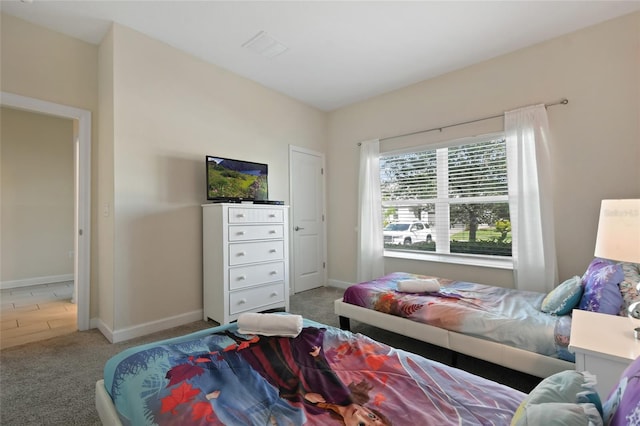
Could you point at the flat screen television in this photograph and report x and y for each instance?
(230, 180)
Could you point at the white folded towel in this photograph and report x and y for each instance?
(270, 324)
(419, 286)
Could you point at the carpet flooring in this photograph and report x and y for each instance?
(52, 382)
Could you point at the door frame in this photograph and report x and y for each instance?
(82, 193)
(292, 149)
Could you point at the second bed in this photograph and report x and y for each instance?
(499, 325)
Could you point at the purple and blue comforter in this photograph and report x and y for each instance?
(508, 316)
(324, 376)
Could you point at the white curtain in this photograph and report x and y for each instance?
(530, 198)
(370, 243)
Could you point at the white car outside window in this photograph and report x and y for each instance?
(407, 233)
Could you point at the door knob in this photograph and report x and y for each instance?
(297, 228)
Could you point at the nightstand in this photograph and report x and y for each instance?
(604, 345)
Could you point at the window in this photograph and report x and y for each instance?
(452, 199)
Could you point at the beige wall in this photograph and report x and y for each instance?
(36, 154)
(169, 111)
(596, 137)
(105, 222)
(43, 64)
(46, 65)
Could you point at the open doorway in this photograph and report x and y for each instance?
(37, 220)
(82, 185)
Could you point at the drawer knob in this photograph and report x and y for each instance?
(273, 251)
(272, 215)
(242, 277)
(274, 294)
(240, 214)
(273, 273)
(241, 253)
(242, 301)
(240, 233)
(272, 231)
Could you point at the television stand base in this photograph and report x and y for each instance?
(270, 202)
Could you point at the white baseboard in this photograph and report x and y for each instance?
(146, 328)
(26, 282)
(339, 284)
(104, 329)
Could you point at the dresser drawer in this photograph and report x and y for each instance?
(259, 251)
(255, 232)
(249, 299)
(246, 276)
(245, 215)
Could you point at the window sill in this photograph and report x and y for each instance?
(496, 262)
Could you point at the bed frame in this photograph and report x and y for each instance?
(497, 353)
(104, 404)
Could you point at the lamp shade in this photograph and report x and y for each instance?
(619, 231)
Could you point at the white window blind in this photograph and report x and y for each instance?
(478, 170)
(410, 176)
(457, 188)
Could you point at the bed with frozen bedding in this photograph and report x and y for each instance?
(525, 331)
(322, 376)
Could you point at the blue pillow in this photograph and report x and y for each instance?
(562, 299)
(570, 392)
(566, 386)
(601, 287)
(558, 413)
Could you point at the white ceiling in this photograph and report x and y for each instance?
(339, 52)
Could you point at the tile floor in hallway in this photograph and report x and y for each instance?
(29, 314)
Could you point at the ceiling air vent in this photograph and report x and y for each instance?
(265, 45)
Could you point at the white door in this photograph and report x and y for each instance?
(307, 219)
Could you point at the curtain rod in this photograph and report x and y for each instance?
(563, 101)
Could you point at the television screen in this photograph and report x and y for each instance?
(236, 180)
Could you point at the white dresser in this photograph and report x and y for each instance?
(245, 259)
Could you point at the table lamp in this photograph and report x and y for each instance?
(619, 240)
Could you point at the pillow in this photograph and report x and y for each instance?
(566, 387)
(601, 291)
(562, 299)
(419, 286)
(270, 324)
(622, 407)
(560, 413)
(628, 285)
